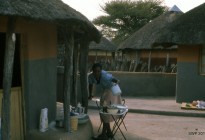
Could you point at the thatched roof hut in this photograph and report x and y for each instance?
(104, 45)
(188, 29)
(104, 53)
(188, 33)
(50, 10)
(143, 38)
(38, 23)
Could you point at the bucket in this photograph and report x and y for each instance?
(74, 123)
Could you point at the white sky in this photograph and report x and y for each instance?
(91, 8)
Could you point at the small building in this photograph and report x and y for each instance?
(104, 52)
(36, 24)
(188, 33)
(137, 48)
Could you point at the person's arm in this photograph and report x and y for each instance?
(114, 80)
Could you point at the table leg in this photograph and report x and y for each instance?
(118, 123)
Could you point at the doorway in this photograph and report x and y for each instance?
(16, 78)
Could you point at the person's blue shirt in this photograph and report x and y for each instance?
(105, 79)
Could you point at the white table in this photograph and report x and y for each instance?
(118, 120)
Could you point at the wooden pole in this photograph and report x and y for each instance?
(149, 61)
(106, 56)
(84, 48)
(136, 61)
(7, 78)
(167, 59)
(96, 56)
(118, 61)
(75, 74)
(69, 46)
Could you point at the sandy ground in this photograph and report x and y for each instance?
(157, 127)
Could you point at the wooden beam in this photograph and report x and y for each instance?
(136, 61)
(96, 56)
(84, 48)
(106, 55)
(7, 78)
(167, 60)
(149, 61)
(75, 74)
(69, 46)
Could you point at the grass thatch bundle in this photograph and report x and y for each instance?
(49, 10)
(104, 44)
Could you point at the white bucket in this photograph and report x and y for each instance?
(43, 120)
(116, 90)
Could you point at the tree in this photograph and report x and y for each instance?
(124, 17)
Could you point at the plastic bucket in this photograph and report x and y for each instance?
(74, 123)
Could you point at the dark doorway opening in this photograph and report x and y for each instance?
(16, 78)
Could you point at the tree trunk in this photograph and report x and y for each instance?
(84, 48)
(69, 45)
(7, 78)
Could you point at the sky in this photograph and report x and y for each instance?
(91, 8)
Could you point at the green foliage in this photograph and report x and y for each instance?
(124, 17)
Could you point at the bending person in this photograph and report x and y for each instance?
(105, 80)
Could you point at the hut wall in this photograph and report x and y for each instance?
(133, 84)
(40, 72)
(190, 84)
(161, 54)
(158, 57)
(38, 54)
(3, 23)
(101, 55)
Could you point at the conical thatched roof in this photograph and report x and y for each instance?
(175, 9)
(104, 44)
(143, 38)
(49, 10)
(188, 29)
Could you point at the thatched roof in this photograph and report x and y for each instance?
(142, 39)
(175, 9)
(104, 45)
(49, 10)
(188, 29)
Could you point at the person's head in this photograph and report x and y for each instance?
(97, 68)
